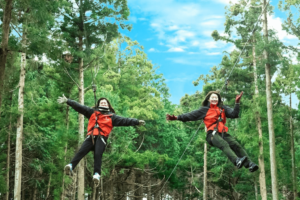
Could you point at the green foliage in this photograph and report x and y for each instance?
(122, 72)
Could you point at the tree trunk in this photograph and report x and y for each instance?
(49, 185)
(34, 192)
(66, 148)
(255, 188)
(3, 50)
(73, 194)
(80, 166)
(149, 195)
(138, 188)
(102, 191)
(270, 109)
(8, 153)
(294, 175)
(111, 190)
(261, 160)
(205, 173)
(157, 192)
(19, 135)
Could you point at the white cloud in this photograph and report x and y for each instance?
(230, 48)
(142, 19)
(183, 61)
(275, 23)
(211, 23)
(176, 49)
(195, 43)
(173, 27)
(227, 1)
(178, 23)
(213, 53)
(179, 79)
(211, 44)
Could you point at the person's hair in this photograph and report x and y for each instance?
(205, 102)
(109, 105)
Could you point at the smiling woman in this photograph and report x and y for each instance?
(214, 114)
(101, 121)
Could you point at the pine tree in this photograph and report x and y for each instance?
(7, 12)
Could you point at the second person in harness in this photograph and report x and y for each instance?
(101, 121)
(214, 115)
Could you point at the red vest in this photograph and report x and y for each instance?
(212, 116)
(104, 122)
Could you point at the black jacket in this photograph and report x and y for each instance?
(116, 120)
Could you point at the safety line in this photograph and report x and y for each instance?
(182, 155)
(244, 46)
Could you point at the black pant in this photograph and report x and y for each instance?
(88, 146)
(228, 145)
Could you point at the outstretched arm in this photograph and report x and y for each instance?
(234, 113)
(123, 121)
(86, 111)
(191, 116)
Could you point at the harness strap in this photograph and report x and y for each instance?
(216, 128)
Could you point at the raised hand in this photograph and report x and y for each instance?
(62, 99)
(142, 123)
(238, 97)
(171, 117)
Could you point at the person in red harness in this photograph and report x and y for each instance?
(214, 115)
(101, 121)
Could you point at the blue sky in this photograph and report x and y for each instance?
(176, 35)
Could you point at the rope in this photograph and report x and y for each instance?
(182, 155)
(237, 60)
(88, 51)
(225, 84)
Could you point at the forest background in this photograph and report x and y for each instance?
(50, 48)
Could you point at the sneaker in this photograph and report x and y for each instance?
(240, 162)
(68, 169)
(253, 167)
(96, 178)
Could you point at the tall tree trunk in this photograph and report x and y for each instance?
(8, 153)
(149, 196)
(4, 44)
(80, 167)
(139, 188)
(49, 186)
(255, 188)
(294, 175)
(205, 173)
(261, 160)
(74, 186)
(18, 163)
(63, 181)
(158, 191)
(270, 109)
(111, 190)
(65, 158)
(34, 192)
(102, 191)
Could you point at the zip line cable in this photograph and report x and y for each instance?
(87, 47)
(226, 83)
(245, 45)
(182, 155)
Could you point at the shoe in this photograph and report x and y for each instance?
(253, 167)
(96, 178)
(68, 169)
(240, 162)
